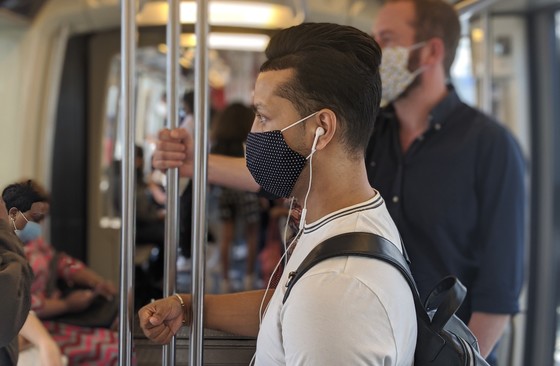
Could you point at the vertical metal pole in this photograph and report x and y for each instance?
(200, 177)
(128, 82)
(172, 217)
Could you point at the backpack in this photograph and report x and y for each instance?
(443, 339)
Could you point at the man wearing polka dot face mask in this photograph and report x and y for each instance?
(314, 100)
(273, 164)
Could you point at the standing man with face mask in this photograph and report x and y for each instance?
(314, 100)
(452, 176)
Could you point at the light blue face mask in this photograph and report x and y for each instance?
(30, 231)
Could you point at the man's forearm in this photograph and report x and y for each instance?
(236, 313)
(33, 330)
(86, 277)
(52, 307)
(230, 172)
(488, 328)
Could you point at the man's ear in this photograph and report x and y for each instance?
(328, 122)
(434, 52)
(12, 212)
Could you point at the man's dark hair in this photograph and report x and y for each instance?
(335, 67)
(232, 124)
(22, 195)
(437, 19)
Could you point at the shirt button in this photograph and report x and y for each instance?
(437, 126)
(372, 164)
(395, 199)
(421, 138)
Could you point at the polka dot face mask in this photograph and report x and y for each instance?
(272, 163)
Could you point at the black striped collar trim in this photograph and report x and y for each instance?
(374, 202)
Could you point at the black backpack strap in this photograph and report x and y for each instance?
(447, 296)
(363, 245)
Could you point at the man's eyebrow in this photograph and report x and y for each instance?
(383, 33)
(257, 108)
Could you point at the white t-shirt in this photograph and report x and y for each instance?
(344, 310)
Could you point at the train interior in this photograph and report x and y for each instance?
(60, 102)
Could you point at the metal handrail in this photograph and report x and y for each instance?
(200, 178)
(128, 81)
(172, 216)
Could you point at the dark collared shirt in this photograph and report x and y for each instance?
(457, 196)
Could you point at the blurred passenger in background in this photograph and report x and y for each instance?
(15, 284)
(156, 182)
(28, 204)
(186, 188)
(150, 215)
(237, 209)
(275, 231)
(187, 120)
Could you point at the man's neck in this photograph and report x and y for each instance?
(340, 187)
(414, 109)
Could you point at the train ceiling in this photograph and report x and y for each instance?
(357, 12)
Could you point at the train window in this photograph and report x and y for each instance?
(232, 74)
(109, 139)
(150, 118)
(462, 72)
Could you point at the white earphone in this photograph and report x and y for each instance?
(320, 131)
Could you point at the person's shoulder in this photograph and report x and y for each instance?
(385, 115)
(479, 119)
(8, 240)
(488, 131)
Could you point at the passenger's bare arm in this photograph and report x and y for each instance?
(236, 313)
(175, 150)
(34, 332)
(488, 328)
(88, 278)
(230, 172)
(75, 302)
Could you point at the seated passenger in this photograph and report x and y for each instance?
(15, 282)
(28, 205)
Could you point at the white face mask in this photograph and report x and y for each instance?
(395, 77)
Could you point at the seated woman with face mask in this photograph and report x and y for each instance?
(28, 205)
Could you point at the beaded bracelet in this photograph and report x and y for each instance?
(182, 307)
